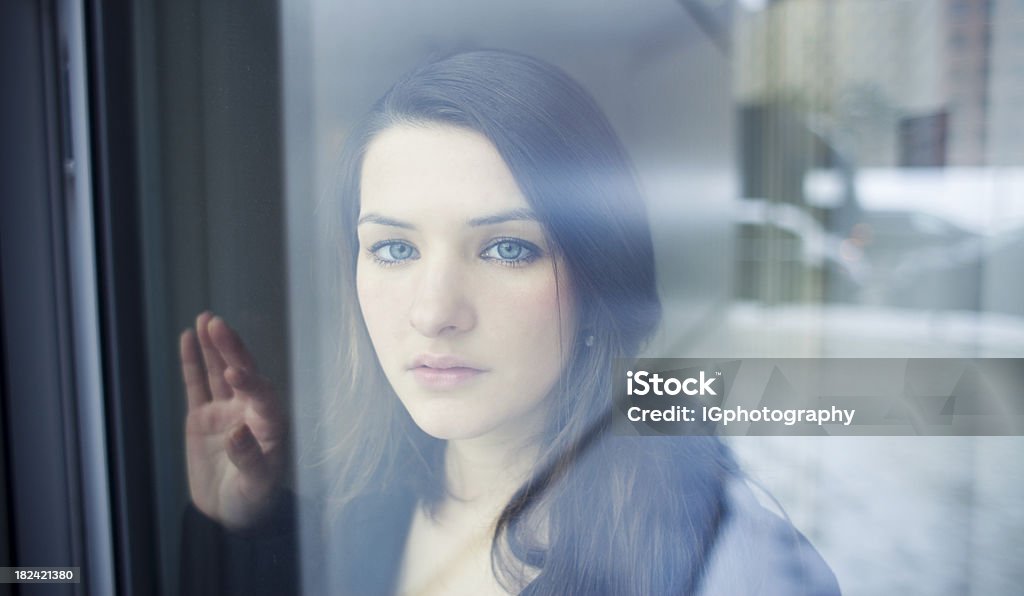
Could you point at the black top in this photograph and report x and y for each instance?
(264, 559)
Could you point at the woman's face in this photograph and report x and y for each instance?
(457, 284)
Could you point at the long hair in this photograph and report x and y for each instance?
(600, 514)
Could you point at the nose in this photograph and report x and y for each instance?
(442, 305)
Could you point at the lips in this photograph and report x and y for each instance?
(444, 371)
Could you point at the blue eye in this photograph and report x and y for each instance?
(511, 252)
(392, 252)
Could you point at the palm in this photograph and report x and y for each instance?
(235, 428)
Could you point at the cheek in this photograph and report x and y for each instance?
(379, 304)
(535, 312)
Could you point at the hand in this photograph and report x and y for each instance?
(236, 427)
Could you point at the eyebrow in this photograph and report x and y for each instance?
(523, 214)
(384, 221)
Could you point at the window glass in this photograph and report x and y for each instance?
(838, 179)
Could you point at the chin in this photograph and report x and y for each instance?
(448, 430)
(446, 420)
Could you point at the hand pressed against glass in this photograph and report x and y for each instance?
(235, 428)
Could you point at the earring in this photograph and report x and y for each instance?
(589, 341)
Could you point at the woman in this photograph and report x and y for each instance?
(500, 257)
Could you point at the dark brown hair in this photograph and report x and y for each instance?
(601, 514)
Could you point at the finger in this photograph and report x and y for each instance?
(247, 381)
(257, 386)
(231, 346)
(197, 389)
(212, 357)
(245, 452)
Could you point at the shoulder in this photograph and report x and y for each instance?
(759, 552)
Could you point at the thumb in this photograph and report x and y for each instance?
(245, 452)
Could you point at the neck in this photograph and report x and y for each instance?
(484, 472)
